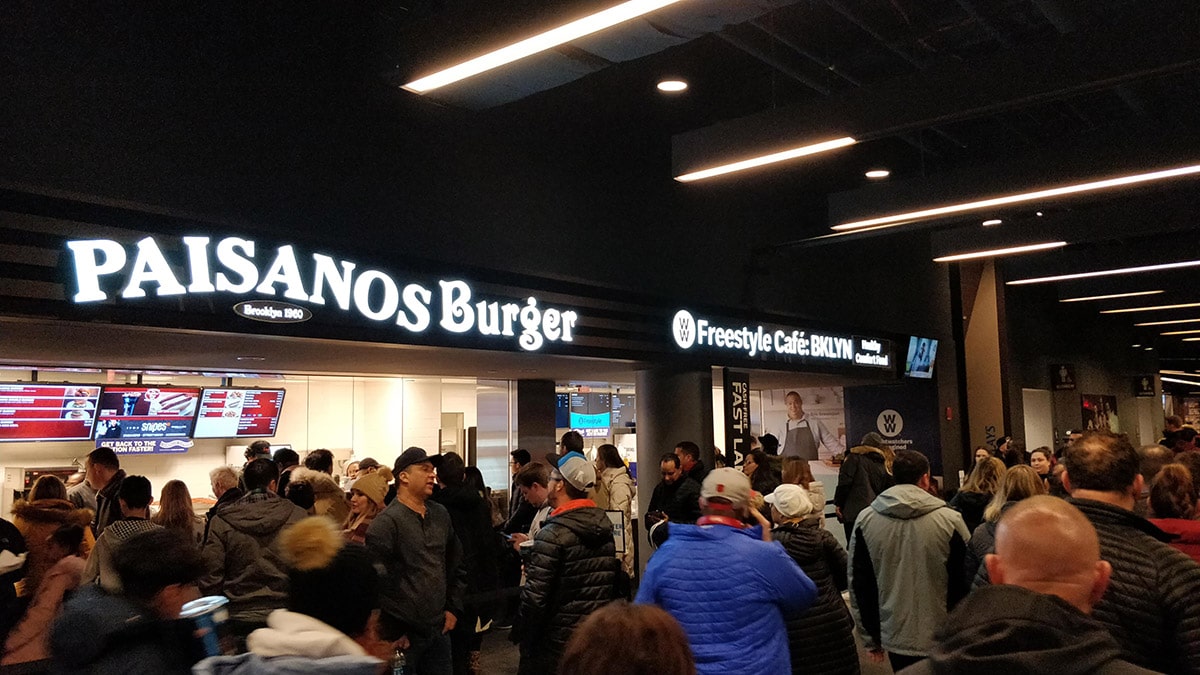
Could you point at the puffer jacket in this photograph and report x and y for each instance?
(241, 557)
(292, 644)
(572, 571)
(862, 477)
(330, 499)
(734, 620)
(621, 494)
(1151, 604)
(36, 521)
(906, 560)
(1008, 629)
(822, 639)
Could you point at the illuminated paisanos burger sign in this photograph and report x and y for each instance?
(240, 267)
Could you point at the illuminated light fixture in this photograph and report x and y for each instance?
(1109, 297)
(1135, 346)
(1171, 379)
(1106, 273)
(1172, 322)
(772, 158)
(1149, 349)
(993, 221)
(1039, 214)
(1195, 339)
(878, 173)
(1091, 186)
(1180, 332)
(1155, 308)
(672, 86)
(538, 43)
(1001, 251)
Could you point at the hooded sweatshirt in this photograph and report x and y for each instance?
(906, 561)
(1008, 629)
(294, 643)
(241, 558)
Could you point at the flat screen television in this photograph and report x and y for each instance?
(591, 414)
(47, 412)
(921, 354)
(228, 412)
(135, 411)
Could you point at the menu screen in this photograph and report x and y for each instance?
(47, 412)
(591, 414)
(239, 413)
(147, 412)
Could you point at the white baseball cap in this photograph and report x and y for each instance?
(791, 500)
(727, 483)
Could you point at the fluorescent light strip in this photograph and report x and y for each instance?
(1195, 339)
(1181, 332)
(1156, 308)
(1001, 251)
(1091, 186)
(538, 43)
(1105, 273)
(1109, 297)
(767, 159)
(1173, 322)
(1171, 379)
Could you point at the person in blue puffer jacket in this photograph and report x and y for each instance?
(729, 590)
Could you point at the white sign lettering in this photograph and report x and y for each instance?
(690, 331)
(373, 294)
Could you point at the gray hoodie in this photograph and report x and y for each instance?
(906, 560)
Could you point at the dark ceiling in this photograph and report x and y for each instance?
(955, 97)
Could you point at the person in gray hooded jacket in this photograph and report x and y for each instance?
(905, 560)
(241, 557)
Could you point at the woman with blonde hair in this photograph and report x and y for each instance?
(366, 501)
(977, 491)
(175, 512)
(1017, 483)
(797, 471)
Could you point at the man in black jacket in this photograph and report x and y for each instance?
(1151, 606)
(572, 568)
(677, 496)
(103, 471)
(689, 456)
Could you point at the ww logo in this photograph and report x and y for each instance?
(889, 423)
(683, 326)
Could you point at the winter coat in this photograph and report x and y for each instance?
(906, 558)
(1011, 630)
(108, 507)
(241, 558)
(620, 490)
(679, 500)
(293, 644)
(30, 638)
(100, 569)
(37, 520)
(330, 498)
(862, 476)
(1150, 606)
(13, 556)
(822, 639)
(471, 516)
(971, 506)
(731, 592)
(572, 570)
(106, 634)
(1186, 531)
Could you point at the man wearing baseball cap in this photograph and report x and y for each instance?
(729, 590)
(572, 569)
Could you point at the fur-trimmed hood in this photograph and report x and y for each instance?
(330, 498)
(53, 511)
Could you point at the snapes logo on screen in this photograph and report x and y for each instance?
(758, 341)
(239, 266)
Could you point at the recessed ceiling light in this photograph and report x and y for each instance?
(1149, 349)
(1090, 186)
(1155, 308)
(1180, 332)
(1167, 323)
(993, 221)
(1106, 273)
(772, 158)
(1110, 296)
(878, 173)
(672, 86)
(1136, 346)
(552, 38)
(1001, 251)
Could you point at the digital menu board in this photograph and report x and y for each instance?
(624, 410)
(239, 413)
(47, 412)
(591, 414)
(146, 412)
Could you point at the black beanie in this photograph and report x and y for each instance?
(330, 580)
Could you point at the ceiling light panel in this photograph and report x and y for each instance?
(1105, 273)
(773, 158)
(1028, 248)
(1110, 296)
(1181, 332)
(1155, 308)
(1173, 322)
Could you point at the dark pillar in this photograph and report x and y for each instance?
(535, 416)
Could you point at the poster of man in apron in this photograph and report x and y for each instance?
(810, 422)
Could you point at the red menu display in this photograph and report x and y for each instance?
(239, 413)
(47, 412)
(146, 412)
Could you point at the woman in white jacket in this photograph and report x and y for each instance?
(615, 492)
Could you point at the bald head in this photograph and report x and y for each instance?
(1046, 545)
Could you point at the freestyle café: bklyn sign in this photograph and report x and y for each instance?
(690, 331)
(371, 293)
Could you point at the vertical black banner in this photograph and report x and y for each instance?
(737, 416)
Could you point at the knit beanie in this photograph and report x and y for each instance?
(329, 580)
(374, 485)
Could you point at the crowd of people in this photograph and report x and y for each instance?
(1081, 560)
